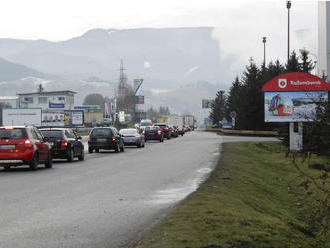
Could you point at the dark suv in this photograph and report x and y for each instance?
(23, 145)
(105, 138)
(64, 143)
(165, 129)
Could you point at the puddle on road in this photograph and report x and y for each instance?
(176, 194)
(172, 195)
(204, 170)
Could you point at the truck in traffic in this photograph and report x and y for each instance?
(176, 121)
(189, 121)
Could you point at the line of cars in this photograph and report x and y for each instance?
(28, 145)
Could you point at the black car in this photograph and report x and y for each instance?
(153, 133)
(106, 138)
(64, 143)
(175, 131)
(167, 131)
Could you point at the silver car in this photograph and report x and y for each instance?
(132, 137)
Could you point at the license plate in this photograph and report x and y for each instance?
(101, 140)
(10, 161)
(7, 147)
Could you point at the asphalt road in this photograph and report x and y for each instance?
(106, 200)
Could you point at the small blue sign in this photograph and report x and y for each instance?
(56, 105)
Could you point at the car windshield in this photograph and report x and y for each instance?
(101, 132)
(145, 123)
(17, 133)
(52, 133)
(127, 131)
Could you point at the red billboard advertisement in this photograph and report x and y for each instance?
(293, 97)
(296, 81)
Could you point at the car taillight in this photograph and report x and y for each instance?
(28, 143)
(143, 132)
(89, 139)
(165, 128)
(64, 142)
(114, 139)
(159, 132)
(137, 136)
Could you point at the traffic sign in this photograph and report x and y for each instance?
(233, 114)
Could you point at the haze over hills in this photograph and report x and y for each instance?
(163, 57)
(11, 71)
(180, 66)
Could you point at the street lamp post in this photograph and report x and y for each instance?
(264, 41)
(288, 5)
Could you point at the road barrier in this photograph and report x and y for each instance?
(242, 132)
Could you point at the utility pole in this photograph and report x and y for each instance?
(288, 5)
(264, 41)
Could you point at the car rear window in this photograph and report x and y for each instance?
(161, 125)
(127, 131)
(52, 133)
(101, 132)
(152, 128)
(16, 133)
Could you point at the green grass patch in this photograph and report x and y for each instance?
(254, 198)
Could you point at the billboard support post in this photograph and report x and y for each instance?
(296, 137)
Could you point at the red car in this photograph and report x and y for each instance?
(23, 145)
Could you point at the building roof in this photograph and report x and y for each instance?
(8, 98)
(49, 93)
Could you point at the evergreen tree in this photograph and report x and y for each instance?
(218, 108)
(250, 114)
(293, 64)
(233, 99)
(306, 64)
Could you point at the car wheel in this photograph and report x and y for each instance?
(97, 150)
(49, 162)
(117, 148)
(81, 157)
(70, 155)
(90, 150)
(34, 162)
(122, 149)
(138, 145)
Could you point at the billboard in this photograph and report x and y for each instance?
(293, 106)
(139, 99)
(207, 103)
(21, 117)
(63, 118)
(53, 118)
(137, 84)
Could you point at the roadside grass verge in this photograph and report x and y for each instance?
(254, 198)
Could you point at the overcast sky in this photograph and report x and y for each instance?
(239, 25)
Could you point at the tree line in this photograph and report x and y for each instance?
(245, 96)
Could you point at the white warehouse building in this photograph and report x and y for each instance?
(324, 39)
(47, 100)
